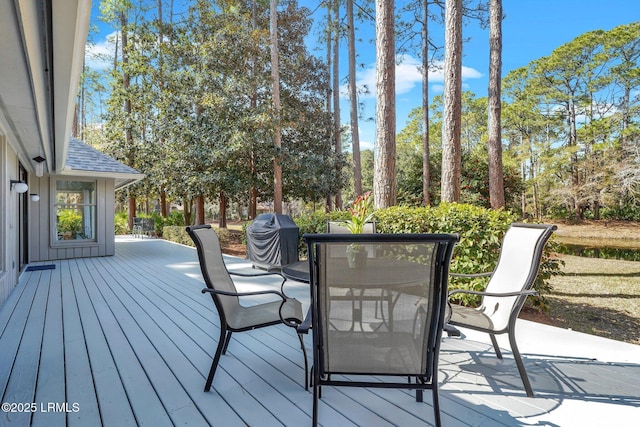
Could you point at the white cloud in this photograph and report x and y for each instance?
(408, 77)
(99, 56)
(366, 145)
(437, 88)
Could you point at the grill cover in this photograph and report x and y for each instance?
(272, 241)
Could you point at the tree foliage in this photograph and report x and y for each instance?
(202, 124)
(572, 119)
(190, 106)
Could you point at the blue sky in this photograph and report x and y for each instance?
(531, 29)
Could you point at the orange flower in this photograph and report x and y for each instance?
(361, 212)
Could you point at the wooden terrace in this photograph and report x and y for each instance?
(127, 340)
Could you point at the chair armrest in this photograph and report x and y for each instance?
(244, 294)
(305, 326)
(471, 276)
(261, 274)
(493, 294)
(254, 273)
(299, 325)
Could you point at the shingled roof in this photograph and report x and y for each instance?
(83, 159)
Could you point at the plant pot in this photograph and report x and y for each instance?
(356, 256)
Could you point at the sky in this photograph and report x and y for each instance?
(531, 29)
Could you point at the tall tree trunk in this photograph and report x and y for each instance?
(329, 60)
(186, 204)
(76, 113)
(163, 204)
(336, 91)
(253, 202)
(384, 180)
(199, 220)
(83, 107)
(494, 143)
(277, 139)
(223, 210)
(426, 152)
(127, 109)
(523, 194)
(353, 100)
(132, 210)
(161, 87)
(253, 191)
(451, 123)
(575, 171)
(626, 119)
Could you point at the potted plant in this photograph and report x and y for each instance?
(361, 212)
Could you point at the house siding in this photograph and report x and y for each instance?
(8, 220)
(43, 244)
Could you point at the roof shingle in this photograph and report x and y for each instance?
(82, 157)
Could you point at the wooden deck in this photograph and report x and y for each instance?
(127, 340)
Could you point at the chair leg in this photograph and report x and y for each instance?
(520, 364)
(226, 342)
(223, 342)
(316, 397)
(306, 363)
(436, 404)
(496, 348)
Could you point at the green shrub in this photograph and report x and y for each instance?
(481, 231)
(178, 234)
(224, 235)
(626, 212)
(315, 222)
(174, 218)
(121, 222)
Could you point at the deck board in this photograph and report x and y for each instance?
(79, 378)
(188, 359)
(112, 396)
(51, 368)
(175, 400)
(10, 343)
(129, 339)
(21, 387)
(143, 401)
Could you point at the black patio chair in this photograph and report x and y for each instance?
(355, 347)
(340, 227)
(235, 317)
(509, 286)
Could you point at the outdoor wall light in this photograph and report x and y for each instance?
(39, 165)
(19, 186)
(34, 197)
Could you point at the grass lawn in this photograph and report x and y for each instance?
(599, 297)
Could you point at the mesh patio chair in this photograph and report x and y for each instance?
(339, 227)
(353, 343)
(235, 317)
(142, 227)
(509, 285)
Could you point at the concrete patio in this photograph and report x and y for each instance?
(127, 340)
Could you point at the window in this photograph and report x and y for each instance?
(75, 207)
